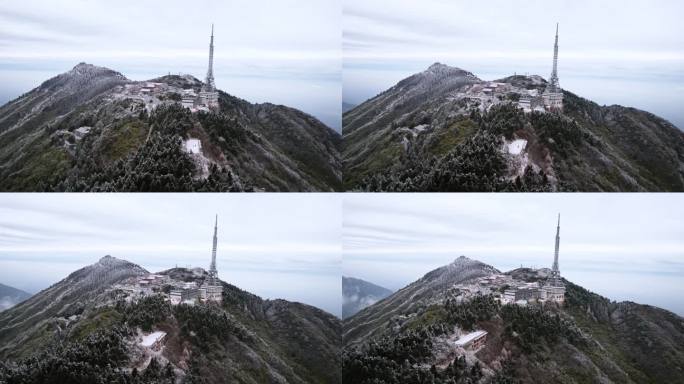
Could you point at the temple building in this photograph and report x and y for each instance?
(208, 96)
(212, 289)
(553, 95)
(554, 289)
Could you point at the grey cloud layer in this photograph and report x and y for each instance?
(285, 52)
(517, 28)
(629, 53)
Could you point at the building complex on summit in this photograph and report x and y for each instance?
(527, 95)
(552, 290)
(210, 291)
(521, 287)
(179, 285)
(155, 93)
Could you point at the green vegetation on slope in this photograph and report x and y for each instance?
(126, 161)
(75, 132)
(474, 164)
(398, 358)
(245, 339)
(588, 338)
(97, 358)
(587, 147)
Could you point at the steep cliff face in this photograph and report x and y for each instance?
(86, 327)
(433, 130)
(93, 129)
(588, 339)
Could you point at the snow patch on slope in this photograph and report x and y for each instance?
(515, 147)
(193, 146)
(149, 340)
(518, 157)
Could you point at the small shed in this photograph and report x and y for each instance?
(473, 340)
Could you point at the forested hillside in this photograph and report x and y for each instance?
(91, 129)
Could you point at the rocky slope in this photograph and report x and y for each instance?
(29, 325)
(589, 339)
(372, 321)
(428, 132)
(81, 330)
(93, 129)
(10, 296)
(358, 294)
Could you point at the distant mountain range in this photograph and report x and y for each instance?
(10, 296)
(82, 329)
(410, 335)
(424, 134)
(92, 129)
(358, 294)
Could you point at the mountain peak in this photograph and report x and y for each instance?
(181, 81)
(429, 289)
(110, 260)
(459, 270)
(85, 69)
(443, 69)
(463, 261)
(106, 271)
(437, 65)
(524, 81)
(82, 65)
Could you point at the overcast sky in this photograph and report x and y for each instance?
(286, 52)
(273, 245)
(613, 52)
(623, 246)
